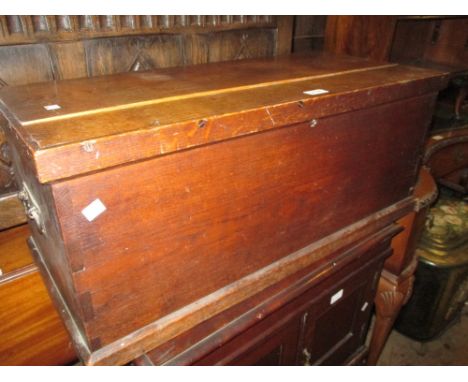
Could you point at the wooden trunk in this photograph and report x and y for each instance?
(196, 205)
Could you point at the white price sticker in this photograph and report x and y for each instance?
(52, 107)
(336, 296)
(316, 92)
(93, 210)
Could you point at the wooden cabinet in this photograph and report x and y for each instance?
(175, 211)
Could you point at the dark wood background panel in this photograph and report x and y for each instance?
(449, 42)
(363, 36)
(25, 64)
(68, 59)
(410, 40)
(309, 33)
(435, 40)
(236, 45)
(133, 53)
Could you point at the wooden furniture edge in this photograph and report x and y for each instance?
(358, 357)
(444, 142)
(79, 342)
(18, 273)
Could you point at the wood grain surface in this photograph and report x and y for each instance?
(31, 331)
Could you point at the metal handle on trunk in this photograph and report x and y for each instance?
(31, 208)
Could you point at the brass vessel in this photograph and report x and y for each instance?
(441, 283)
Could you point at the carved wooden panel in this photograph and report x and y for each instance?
(133, 53)
(233, 45)
(33, 29)
(63, 47)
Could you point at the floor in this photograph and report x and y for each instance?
(451, 348)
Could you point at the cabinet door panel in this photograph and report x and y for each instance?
(335, 324)
(271, 342)
(333, 335)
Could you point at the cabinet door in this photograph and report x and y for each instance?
(271, 342)
(336, 324)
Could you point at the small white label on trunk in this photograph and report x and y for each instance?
(364, 306)
(437, 137)
(316, 92)
(93, 210)
(336, 296)
(52, 107)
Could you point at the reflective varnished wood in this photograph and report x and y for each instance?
(31, 331)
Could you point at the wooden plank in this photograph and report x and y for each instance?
(284, 34)
(123, 91)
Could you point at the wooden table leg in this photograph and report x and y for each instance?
(392, 293)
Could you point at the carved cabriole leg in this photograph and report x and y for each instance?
(396, 281)
(392, 293)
